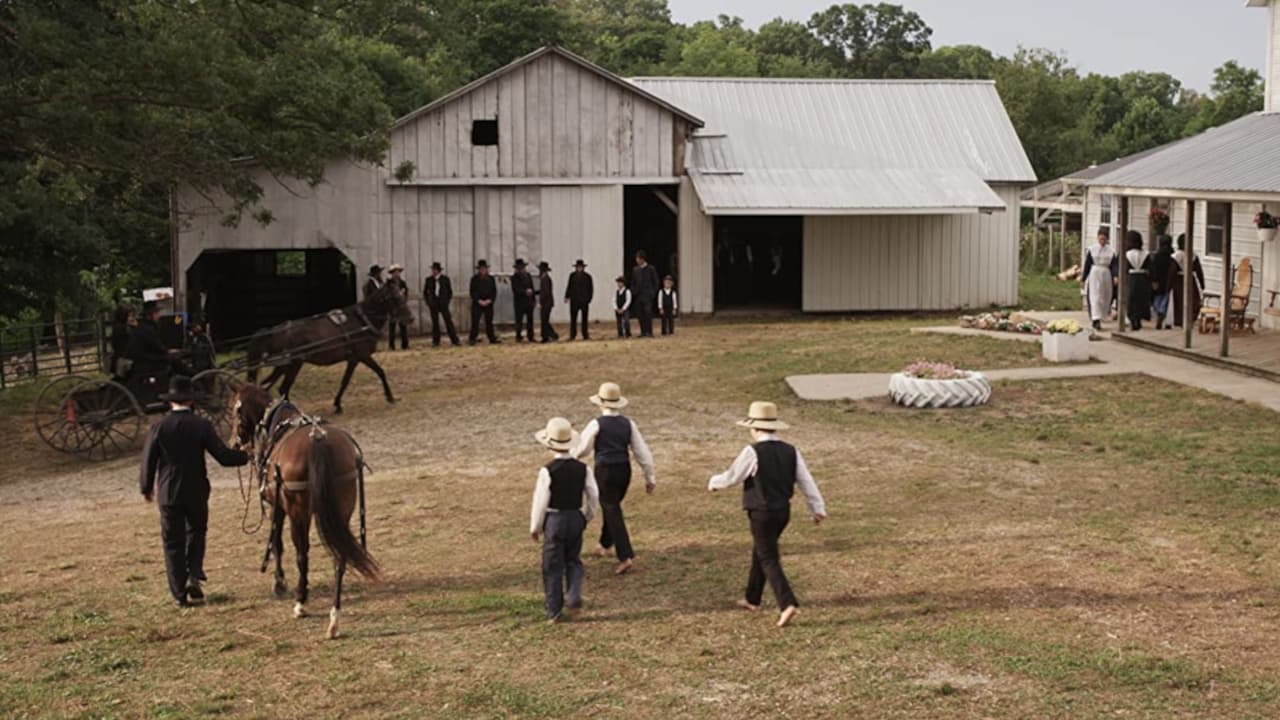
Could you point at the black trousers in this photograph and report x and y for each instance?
(624, 324)
(576, 309)
(436, 315)
(644, 312)
(478, 312)
(182, 530)
(548, 333)
(562, 571)
(668, 323)
(524, 320)
(404, 335)
(766, 559)
(614, 479)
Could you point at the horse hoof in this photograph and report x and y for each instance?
(299, 611)
(281, 592)
(332, 632)
(391, 401)
(337, 409)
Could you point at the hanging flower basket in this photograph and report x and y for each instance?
(1065, 341)
(1266, 224)
(938, 385)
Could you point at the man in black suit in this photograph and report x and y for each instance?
(523, 298)
(484, 290)
(374, 282)
(174, 476)
(438, 291)
(578, 292)
(644, 292)
(397, 281)
(547, 300)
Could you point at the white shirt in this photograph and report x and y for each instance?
(626, 302)
(744, 466)
(675, 299)
(587, 443)
(542, 497)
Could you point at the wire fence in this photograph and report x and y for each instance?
(44, 350)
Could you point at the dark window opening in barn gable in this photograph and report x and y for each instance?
(484, 132)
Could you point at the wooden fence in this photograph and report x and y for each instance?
(45, 350)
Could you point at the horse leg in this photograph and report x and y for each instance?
(277, 547)
(272, 377)
(346, 380)
(382, 375)
(301, 526)
(338, 572)
(291, 375)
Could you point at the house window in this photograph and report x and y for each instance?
(291, 263)
(484, 132)
(1105, 210)
(1217, 229)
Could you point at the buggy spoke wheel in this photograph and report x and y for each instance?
(216, 388)
(52, 423)
(107, 419)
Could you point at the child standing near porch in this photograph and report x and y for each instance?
(668, 305)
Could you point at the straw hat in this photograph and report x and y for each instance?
(609, 396)
(763, 416)
(396, 267)
(558, 435)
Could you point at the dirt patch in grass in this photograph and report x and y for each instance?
(1076, 549)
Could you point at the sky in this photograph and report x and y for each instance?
(1185, 38)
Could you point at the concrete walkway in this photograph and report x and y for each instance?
(1112, 359)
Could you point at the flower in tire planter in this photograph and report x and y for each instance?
(1065, 341)
(938, 385)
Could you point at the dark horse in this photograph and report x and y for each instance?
(349, 335)
(306, 468)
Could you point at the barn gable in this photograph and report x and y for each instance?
(557, 117)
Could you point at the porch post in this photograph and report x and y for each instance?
(1188, 276)
(1123, 209)
(1227, 288)
(1035, 226)
(1062, 238)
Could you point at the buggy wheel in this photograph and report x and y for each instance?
(108, 417)
(49, 411)
(215, 389)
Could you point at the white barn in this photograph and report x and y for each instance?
(826, 196)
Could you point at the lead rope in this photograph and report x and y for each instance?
(247, 497)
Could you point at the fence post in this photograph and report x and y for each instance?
(35, 350)
(3, 332)
(101, 341)
(66, 346)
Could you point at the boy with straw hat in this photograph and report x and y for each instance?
(769, 469)
(613, 437)
(564, 500)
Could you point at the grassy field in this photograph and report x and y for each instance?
(1043, 291)
(1093, 548)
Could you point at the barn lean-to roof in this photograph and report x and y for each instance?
(799, 146)
(527, 59)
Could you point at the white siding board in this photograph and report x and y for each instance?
(505, 115)
(694, 244)
(665, 144)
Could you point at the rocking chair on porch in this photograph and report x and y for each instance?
(1237, 304)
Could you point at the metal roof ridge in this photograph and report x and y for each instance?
(811, 81)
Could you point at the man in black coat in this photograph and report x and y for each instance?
(578, 292)
(374, 282)
(397, 281)
(174, 476)
(523, 298)
(151, 358)
(644, 292)
(547, 299)
(484, 290)
(438, 292)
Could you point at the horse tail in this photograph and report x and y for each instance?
(334, 525)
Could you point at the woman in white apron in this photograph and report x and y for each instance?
(1101, 265)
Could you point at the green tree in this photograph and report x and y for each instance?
(721, 49)
(873, 41)
(630, 37)
(1039, 90)
(1236, 92)
(959, 62)
(790, 49)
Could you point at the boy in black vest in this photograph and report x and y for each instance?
(668, 305)
(622, 307)
(613, 437)
(564, 501)
(769, 470)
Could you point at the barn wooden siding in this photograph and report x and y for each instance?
(695, 246)
(1244, 240)
(912, 262)
(556, 120)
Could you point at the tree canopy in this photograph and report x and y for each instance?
(107, 104)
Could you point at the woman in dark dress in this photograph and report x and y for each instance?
(121, 322)
(1138, 287)
(1161, 278)
(1175, 279)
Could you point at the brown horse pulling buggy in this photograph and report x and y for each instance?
(103, 418)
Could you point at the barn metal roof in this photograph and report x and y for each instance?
(847, 145)
(1242, 156)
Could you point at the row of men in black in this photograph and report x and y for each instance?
(579, 292)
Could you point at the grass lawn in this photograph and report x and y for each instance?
(1044, 291)
(1089, 548)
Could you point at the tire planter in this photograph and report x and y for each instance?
(969, 391)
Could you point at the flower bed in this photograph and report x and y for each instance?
(938, 385)
(1001, 322)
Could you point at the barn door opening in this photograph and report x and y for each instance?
(757, 261)
(237, 292)
(649, 224)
